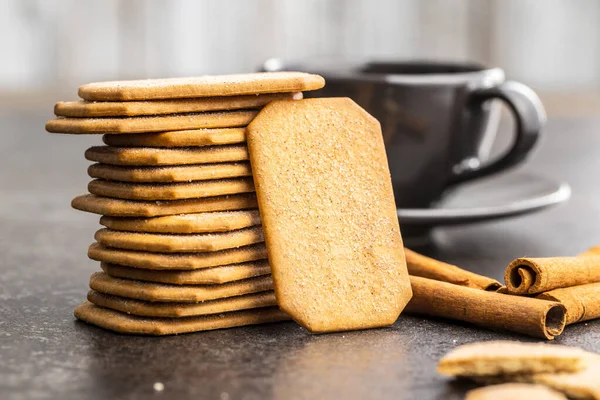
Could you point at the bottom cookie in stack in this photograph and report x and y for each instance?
(180, 273)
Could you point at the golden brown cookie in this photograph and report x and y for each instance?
(103, 283)
(202, 86)
(188, 138)
(139, 156)
(185, 261)
(326, 202)
(514, 391)
(509, 358)
(126, 125)
(135, 208)
(220, 221)
(169, 243)
(170, 191)
(178, 310)
(204, 276)
(123, 323)
(87, 109)
(177, 173)
(583, 384)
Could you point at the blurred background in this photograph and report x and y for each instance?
(49, 47)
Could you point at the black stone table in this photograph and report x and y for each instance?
(44, 272)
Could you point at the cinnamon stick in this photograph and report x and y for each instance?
(529, 316)
(537, 275)
(426, 267)
(582, 302)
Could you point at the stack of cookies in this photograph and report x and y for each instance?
(182, 248)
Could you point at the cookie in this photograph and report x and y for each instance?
(126, 125)
(179, 173)
(220, 221)
(202, 86)
(178, 310)
(168, 243)
(514, 391)
(189, 138)
(123, 323)
(103, 283)
(135, 208)
(205, 276)
(170, 191)
(186, 261)
(326, 202)
(509, 358)
(87, 109)
(583, 384)
(139, 156)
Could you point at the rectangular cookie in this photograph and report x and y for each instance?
(178, 243)
(87, 109)
(201, 86)
(326, 202)
(148, 156)
(219, 221)
(169, 174)
(170, 191)
(137, 208)
(179, 310)
(123, 323)
(187, 138)
(126, 125)
(163, 292)
(177, 261)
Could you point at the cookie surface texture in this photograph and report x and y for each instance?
(326, 202)
(202, 86)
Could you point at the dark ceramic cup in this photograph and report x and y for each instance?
(437, 119)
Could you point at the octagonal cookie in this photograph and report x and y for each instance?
(328, 212)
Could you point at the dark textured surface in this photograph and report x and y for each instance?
(44, 271)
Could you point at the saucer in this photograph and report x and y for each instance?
(502, 196)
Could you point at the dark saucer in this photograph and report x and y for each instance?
(497, 197)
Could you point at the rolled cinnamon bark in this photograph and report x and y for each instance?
(582, 302)
(526, 315)
(538, 275)
(426, 267)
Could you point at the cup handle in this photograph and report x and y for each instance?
(530, 117)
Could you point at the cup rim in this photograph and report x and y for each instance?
(345, 70)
